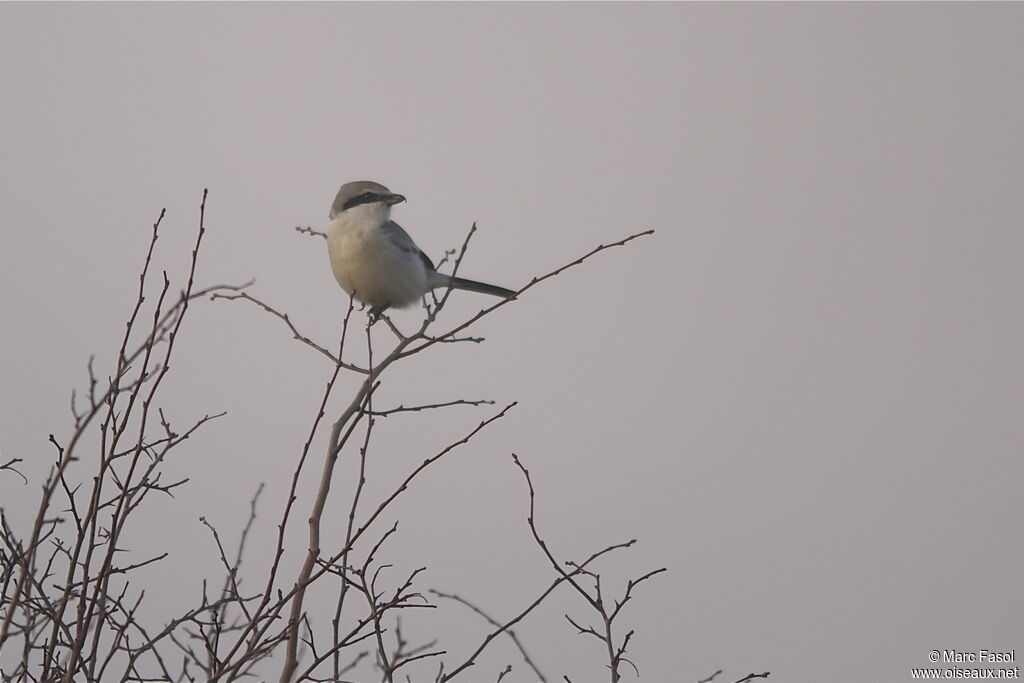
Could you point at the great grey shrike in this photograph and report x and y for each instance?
(375, 260)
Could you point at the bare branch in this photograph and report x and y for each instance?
(9, 465)
(493, 622)
(67, 590)
(616, 653)
(532, 283)
(284, 317)
(446, 404)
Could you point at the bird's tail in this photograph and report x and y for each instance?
(472, 286)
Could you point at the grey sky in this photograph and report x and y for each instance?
(803, 395)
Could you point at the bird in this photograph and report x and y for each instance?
(375, 260)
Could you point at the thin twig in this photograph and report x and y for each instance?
(415, 409)
(494, 622)
(9, 465)
(286, 319)
(750, 677)
(310, 231)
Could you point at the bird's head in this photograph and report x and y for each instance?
(371, 196)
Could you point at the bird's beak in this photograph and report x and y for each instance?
(394, 199)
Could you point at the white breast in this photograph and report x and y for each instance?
(368, 265)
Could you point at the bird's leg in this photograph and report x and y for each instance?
(376, 313)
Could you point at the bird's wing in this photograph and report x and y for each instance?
(400, 238)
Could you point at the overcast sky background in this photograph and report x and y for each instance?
(803, 395)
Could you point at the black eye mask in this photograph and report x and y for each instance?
(364, 198)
